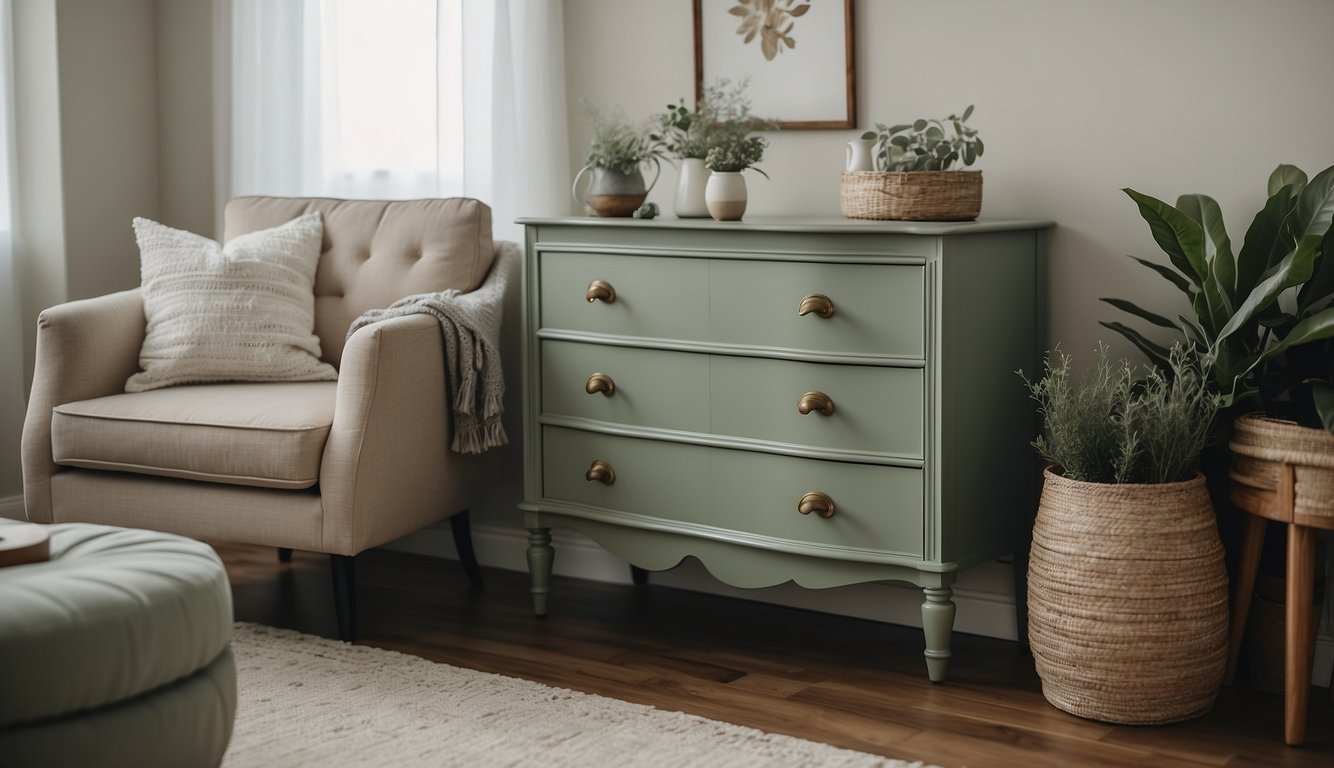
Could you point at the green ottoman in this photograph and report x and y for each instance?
(115, 652)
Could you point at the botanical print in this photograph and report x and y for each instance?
(771, 20)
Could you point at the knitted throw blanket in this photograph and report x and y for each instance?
(470, 324)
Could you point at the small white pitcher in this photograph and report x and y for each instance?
(859, 154)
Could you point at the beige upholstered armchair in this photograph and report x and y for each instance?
(332, 467)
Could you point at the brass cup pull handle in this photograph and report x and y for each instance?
(814, 302)
(815, 401)
(816, 502)
(600, 290)
(600, 382)
(600, 471)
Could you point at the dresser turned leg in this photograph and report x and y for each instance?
(540, 557)
(937, 624)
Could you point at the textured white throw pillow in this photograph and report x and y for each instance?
(240, 312)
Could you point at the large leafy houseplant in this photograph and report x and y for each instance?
(1264, 315)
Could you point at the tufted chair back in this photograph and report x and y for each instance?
(378, 251)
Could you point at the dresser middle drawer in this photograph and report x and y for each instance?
(870, 409)
(875, 507)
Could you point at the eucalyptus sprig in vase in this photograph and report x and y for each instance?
(722, 110)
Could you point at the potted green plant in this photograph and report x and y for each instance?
(1127, 593)
(616, 156)
(1260, 349)
(1263, 320)
(721, 110)
(733, 152)
(912, 177)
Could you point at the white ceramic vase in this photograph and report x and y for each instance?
(725, 195)
(689, 202)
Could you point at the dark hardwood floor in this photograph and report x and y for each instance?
(842, 681)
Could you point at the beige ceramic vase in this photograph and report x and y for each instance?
(725, 195)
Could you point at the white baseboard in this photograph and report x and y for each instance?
(984, 595)
(12, 507)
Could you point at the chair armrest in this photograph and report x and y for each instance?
(386, 469)
(85, 349)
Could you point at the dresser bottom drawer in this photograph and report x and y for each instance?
(877, 508)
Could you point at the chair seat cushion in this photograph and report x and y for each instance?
(115, 613)
(268, 435)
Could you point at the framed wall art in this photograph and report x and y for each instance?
(796, 54)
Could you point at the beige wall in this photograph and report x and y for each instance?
(1075, 100)
(185, 128)
(108, 121)
(86, 134)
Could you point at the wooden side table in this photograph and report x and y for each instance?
(1251, 493)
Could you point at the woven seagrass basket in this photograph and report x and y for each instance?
(1262, 445)
(1128, 603)
(911, 195)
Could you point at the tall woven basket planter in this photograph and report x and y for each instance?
(1128, 603)
(911, 195)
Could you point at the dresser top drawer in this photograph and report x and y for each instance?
(783, 309)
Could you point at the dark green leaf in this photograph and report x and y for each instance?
(935, 133)
(967, 113)
(1315, 206)
(1320, 288)
(1265, 243)
(1218, 252)
(1126, 306)
(1172, 277)
(1193, 332)
(1322, 392)
(1286, 175)
(969, 156)
(1156, 353)
(1180, 236)
(1294, 269)
(978, 146)
(869, 135)
(919, 125)
(1316, 327)
(901, 127)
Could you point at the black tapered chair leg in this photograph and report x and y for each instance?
(638, 575)
(461, 526)
(345, 596)
(284, 555)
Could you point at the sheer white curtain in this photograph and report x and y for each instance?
(401, 99)
(11, 325)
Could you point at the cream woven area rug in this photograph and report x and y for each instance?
(308, 701)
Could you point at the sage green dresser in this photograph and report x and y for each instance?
(823, 401)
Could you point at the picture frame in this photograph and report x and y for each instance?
(797, 56)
